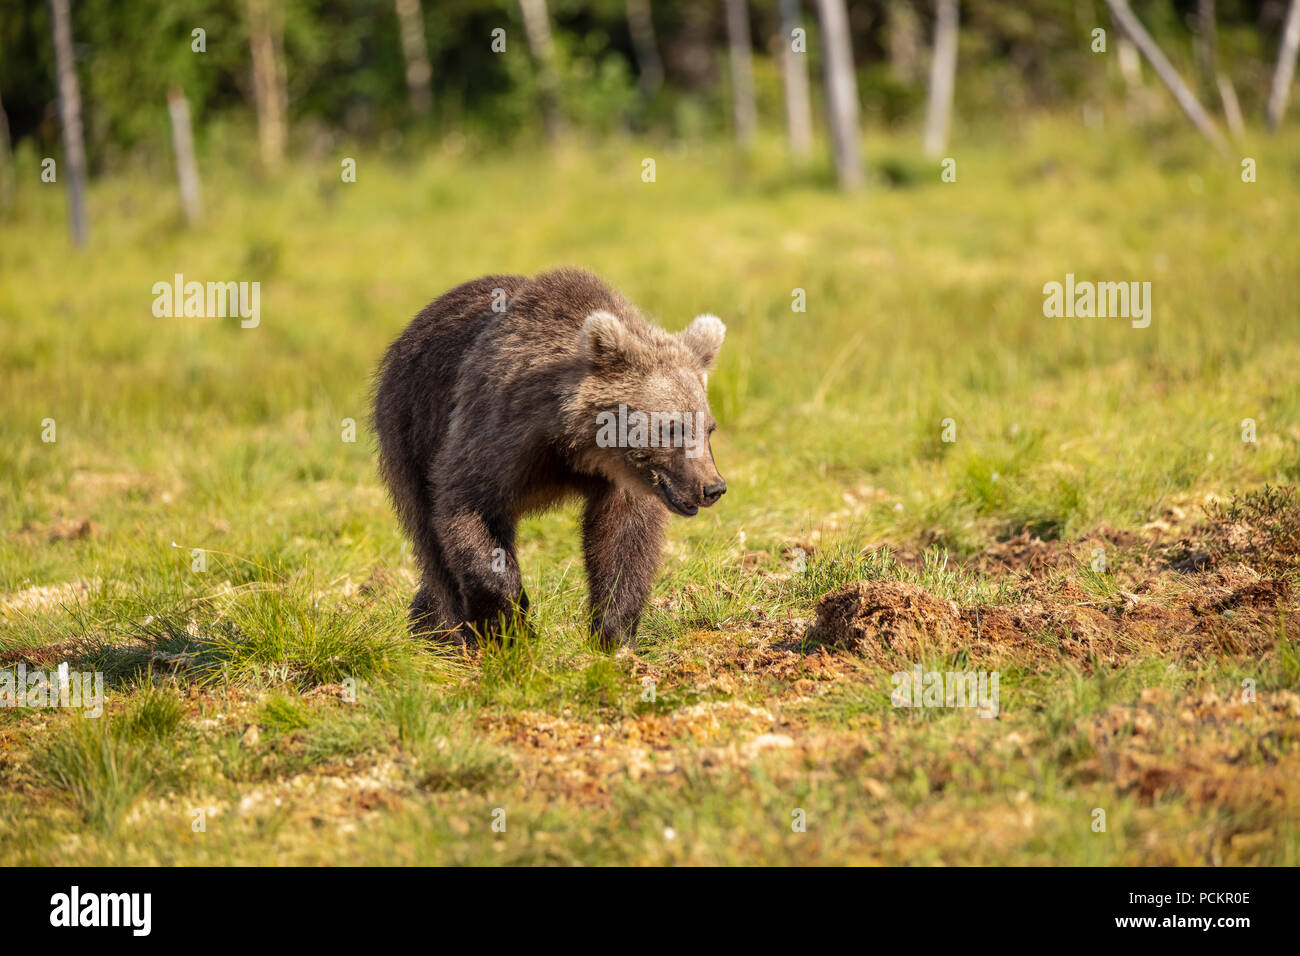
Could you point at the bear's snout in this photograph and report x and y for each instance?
(713, 492)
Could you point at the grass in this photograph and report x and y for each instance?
(202, 532)
(95, 765)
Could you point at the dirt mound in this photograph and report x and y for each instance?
(1260, 530)
(891, 623)
(48, 655)
(1222, 587)
(1024, 552)
(884, 616)
(1029, 554)
(1077, 632)
(1265, 594)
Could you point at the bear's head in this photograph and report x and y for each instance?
(642, 410)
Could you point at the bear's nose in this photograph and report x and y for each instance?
(714, 491)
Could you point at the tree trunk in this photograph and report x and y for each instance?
(415, 48)
(743, 109)
(841, 92)
(650, 75)
(7, 175)
(1130, 64)
(943, 76)
(794, 79)
(74, 146)
(537, 26)
(1214, 81)
(1285, 69)
(264, 32)
(1206, 45)
(904, 41)
(187, 171)
(1168, 75)
(1231, 107)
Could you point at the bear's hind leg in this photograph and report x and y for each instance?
(488, 579)
(436, 607)
(431, 614)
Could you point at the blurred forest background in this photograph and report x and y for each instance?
(192, 507)
(299, 76)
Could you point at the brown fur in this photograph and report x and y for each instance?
(484, 416)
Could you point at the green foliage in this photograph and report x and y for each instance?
(344, 68)
(155, 714)
(96, 763)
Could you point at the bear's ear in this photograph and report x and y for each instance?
(606, 340)
(704, 337)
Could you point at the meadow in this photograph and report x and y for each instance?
(266, 705)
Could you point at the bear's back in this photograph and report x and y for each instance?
(558, 302)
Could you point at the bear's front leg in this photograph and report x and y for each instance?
(622, 536)
(481, 556)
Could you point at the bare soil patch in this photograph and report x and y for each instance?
(890, 621)
(1224, 587)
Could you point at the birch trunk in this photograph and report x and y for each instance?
(415, 49)
(74, 145)
(187, 171)
(1187, 100)
(1285, 69)
(794, 80)
(841, 93)
(904, 41)
(7, 175)
(743, 109)
(269, 94)
(943, 76)
(537, 27)
(650, 67)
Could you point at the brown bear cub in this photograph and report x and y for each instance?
(507, 395)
